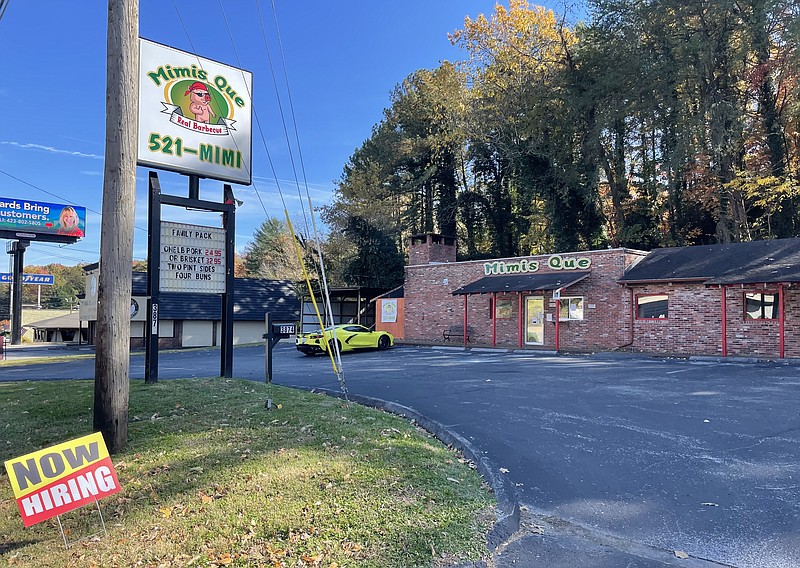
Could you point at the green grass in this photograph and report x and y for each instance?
(210, 477)
(22, 361)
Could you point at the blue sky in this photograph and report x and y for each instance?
(342, 60)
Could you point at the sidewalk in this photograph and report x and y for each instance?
(33, 350)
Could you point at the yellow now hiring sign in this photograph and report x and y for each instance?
(61, 478)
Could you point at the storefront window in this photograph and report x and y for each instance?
(760, 306)
(570, 309)
(503, 309)
(655, 306)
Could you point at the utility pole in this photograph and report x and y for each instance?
(112, 365)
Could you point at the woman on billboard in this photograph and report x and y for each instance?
(69, 222)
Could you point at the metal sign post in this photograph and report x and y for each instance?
(68, 543)
(17, 251)
(194, 283)
(275, 332)
(153, 278)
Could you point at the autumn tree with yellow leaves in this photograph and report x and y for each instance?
(655, 122)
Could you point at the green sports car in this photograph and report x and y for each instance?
(348, 336)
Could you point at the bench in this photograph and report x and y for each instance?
(456, 332)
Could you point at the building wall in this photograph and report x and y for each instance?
(396, 328)
(198, 333)
(202, 333)
(694, 323)
(431, 307)
(247, 332)
(169, 334)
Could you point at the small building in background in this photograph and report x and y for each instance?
(195, 320)
(60, 329)
(355, 304)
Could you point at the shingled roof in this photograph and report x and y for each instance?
(522, 282)
(756, 262)
(252, 298)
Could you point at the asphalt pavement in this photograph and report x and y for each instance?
(597, 461)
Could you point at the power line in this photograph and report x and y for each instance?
(258, 122)
(29, 184)
(50, 193)
(200, 64)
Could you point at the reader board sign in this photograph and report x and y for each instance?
(41, 218)
(195, 114)
(44, 279)
(58, 479)
(192, 258)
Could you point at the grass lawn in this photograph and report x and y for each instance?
(211, 477)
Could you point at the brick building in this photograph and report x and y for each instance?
(739, 299)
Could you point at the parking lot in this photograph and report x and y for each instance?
(647, 455)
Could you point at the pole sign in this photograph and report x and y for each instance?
(44, 279)
(20, 218)
(61, 478)
(195, 114)
(192, 258)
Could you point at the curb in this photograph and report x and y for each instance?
(610, 355)
(786, 362)
(507, 511)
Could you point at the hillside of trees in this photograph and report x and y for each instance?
(656, 123)
(68, 283)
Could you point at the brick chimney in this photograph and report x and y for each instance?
(431, 248)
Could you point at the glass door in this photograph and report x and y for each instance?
(534, 320)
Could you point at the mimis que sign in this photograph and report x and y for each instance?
(524, 266)
(195, 114)
(61, 478)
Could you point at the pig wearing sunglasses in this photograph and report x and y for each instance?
(200, 104)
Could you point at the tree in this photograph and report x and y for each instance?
(428, 111)
(68, 282)
(694, 101)
(519, 61)
(660, 122)
(377, 262)
(272, 253)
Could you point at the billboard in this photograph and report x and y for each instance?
(195, 114)
(192, 258)
(20, 218)
(61, 478)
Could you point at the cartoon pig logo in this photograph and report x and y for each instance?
(200, 104)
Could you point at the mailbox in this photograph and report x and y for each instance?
(275, 332)
(283, 330)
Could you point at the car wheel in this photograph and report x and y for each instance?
(333, 344)
(383, 342)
